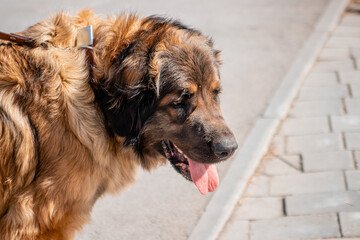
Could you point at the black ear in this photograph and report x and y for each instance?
(128, 97)
(127, 111)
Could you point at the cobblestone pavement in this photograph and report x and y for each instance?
(308, 185)
(253, 35)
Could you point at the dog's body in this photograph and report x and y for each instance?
(65, 141)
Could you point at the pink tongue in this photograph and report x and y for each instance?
(204, 176)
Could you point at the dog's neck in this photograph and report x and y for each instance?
(122, 83)
(112, 44)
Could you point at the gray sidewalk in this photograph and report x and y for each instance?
(260, 40)
(308, 185)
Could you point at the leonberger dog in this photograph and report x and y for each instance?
(74, 127)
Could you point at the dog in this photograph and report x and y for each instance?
(74, 125)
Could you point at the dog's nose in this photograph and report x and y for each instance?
(225, 147)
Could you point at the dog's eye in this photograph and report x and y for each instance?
(181, 102)
(178, 104)
(217, 91)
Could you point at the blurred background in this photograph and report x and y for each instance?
(259, 41)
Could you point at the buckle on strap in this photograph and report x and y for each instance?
(85, 37)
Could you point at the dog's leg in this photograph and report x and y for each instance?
(18, 162)
(19, 220)
(27, 221)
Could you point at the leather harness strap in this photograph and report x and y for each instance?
(12, 37)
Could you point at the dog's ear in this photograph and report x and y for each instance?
(129, 93)
(128, 96)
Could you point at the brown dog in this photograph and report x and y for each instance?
(70, 132)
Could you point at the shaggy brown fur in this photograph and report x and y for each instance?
(64, 142)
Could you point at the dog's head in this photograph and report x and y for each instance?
(162, 95)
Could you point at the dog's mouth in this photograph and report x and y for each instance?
(204, 176)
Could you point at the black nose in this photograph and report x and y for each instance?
(225, 147)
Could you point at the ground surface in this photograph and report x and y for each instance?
(259, 39)
(308, 186)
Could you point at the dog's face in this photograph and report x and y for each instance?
(169, 85)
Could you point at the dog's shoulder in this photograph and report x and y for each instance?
(61, 29)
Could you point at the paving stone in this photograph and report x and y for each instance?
(259, 208)
(355, 90)
(295, 227)
(352, 106)
(333, 66)
(275, 166)
(277, 145)
(304, 126)
(350, 224)
(314, 143)
(324, 202)
(343, 42)
(350, 18)
(327, 161)
(320, 79)
(349, 77)
(317, 108)
(293, 160)
(235, 229)
(347, 31)
(355, 52)
(357, 158)
(258, 187)
(345, 123)
(307, 183)
(353, 179)
(331, 54)
(328, 92)
(357, 61)
(352, 141)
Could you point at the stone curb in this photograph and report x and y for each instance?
(255, 146)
